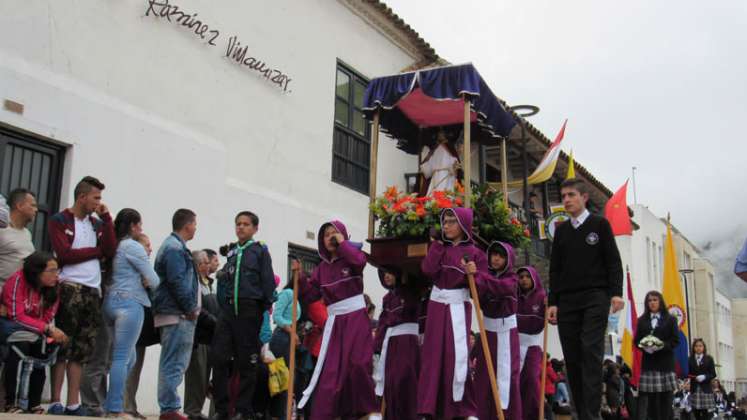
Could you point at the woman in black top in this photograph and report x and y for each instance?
(658, 380)
(702, 371)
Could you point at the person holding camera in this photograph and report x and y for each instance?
(246, 287)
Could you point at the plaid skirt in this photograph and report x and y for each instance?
(702, 400)
(654, 381)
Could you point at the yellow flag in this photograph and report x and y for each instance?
(672, 291)
(571, 168)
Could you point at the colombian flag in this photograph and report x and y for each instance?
(676, 303)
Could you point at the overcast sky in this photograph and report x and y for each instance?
(657, 85)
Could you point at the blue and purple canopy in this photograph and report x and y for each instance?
(434, 97)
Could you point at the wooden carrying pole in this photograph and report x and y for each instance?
(544, 367)
(372, 172)
(467, 155)
(292, 353)
(504, 171)
(485, 347)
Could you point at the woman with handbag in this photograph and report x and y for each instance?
(657, 335)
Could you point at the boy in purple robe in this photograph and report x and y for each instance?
(342, 384)
(498, 290)
(444, 387)
(531, 317)
(396, 373)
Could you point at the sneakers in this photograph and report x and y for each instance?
(56, 409)
(79, 412)
(172, 415)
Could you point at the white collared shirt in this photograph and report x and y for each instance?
(655, 320)
(578, 221)
(699, 358)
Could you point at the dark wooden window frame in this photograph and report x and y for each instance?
(347, 130)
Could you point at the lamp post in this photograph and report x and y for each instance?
(684, 272)
(524, 111)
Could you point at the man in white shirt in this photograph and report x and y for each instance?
(15, 240)
(80, 242)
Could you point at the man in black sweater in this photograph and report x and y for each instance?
(585, 284)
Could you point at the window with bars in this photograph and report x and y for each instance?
(26, 162)
(309, 257)
(351, 148)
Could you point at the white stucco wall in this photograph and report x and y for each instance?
(166, 121)
(724, 353)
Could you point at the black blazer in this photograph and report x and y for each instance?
(666, 331)
(707, 368)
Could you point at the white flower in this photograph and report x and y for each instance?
(650, 341)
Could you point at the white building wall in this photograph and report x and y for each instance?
(166, 121)
(724, 334)
(739, 326)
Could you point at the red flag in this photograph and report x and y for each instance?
(637, 354)
(616, 211)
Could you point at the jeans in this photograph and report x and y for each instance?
(133, 380)
(124, 316)
(561, 393)
(176, 351)
(280, 347)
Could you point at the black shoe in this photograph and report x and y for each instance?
(197, 417)
(220, 416)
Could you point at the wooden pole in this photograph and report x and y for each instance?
(504, 171)
(292, 353)
(372, 172)
(485, 347)
(467, 155)
(544, 367)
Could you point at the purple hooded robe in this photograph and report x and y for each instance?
(498, 292)
(531, 328)
(444, 386)
(344, 386)
(397, 343)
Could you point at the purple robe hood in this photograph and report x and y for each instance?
(531, 311)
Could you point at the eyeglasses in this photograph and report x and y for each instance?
(450, 222)
(52, 270)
